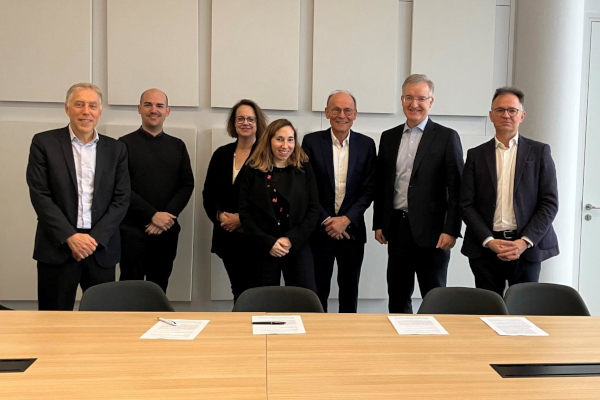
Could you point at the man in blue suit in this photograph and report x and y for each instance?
(508, 200)
(344, 165)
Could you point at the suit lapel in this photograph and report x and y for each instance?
(353, 154)
(523, 150)
(327, 151)
(100, 164)
(489, 151)
(65, 144)
(426, 140)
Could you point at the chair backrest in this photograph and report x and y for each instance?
(278, 299)
(125, 296)
(544, 299)
(462, 300)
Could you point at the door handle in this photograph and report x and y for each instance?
(591, 207)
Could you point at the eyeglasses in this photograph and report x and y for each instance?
(336, 111)
(241, 120)
(511, 111)
(419, 99)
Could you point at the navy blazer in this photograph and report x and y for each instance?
(535, 198)
(434, 186)
(256, 208)
(52, 181)
(360, 179)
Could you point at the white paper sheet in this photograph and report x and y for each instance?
(416, 325)
(513, 326)
(293, 325)
(186, 329)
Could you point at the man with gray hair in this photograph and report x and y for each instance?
(344, 165)
(79, 187)
(508, 200)
(416, 199)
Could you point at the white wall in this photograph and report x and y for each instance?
(473, 130)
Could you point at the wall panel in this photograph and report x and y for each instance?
(255, 53)
(152, 45)
(455, 48)
(41, 57)
(358, 52)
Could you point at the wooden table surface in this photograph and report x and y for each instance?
(100, 356)
(362, 357)
(85, 355)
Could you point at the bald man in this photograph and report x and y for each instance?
(161, 186)
(344, 164)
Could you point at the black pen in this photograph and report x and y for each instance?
(269, 323)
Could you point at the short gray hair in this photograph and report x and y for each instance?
(340, 91)
(419, 78)
(83, 85)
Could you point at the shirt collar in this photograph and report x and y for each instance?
(73, 137)
(513, 142)
(149, 134)
(335, 140)
(421, 126)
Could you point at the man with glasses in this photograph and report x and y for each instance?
(161, 186)
(416, 199)
(344, 165)
(508, 201)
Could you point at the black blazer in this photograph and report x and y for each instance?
(220, 194)
(256, 209)
(360, 181)
(52, 184)
(434, 186)
(535, 198)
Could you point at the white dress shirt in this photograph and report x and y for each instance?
(341, 153)
(504, 214)
(404, 163)
(85, 168)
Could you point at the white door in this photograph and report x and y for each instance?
(589, 270)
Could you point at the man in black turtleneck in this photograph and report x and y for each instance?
(161, 185)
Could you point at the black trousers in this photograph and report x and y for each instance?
(491, 273)
(57, 283)
(405, 259)
(240, 264)
(297, 268)
(146, 256)
(349, 254)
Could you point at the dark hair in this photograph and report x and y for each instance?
(262, 157)
(510, 90)
(261, 118)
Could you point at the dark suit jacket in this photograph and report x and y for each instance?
(535, 198)
(220, 194)
(52, 184)
(256, 209)
(360, 180)
(434, 186)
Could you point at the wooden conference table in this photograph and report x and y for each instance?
(100, 356)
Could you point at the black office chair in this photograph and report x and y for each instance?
(462, 300)
(544, 299)
(125, 296)
(287, 299)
